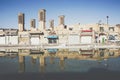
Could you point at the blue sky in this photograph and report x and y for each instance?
(75, 11)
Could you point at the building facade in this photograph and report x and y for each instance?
(8, 36)
(59, 35)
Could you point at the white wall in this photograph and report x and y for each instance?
(2, 40)
(74, 39)
(12, 40)
(35, 41)
(86, 39)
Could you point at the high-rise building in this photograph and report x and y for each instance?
(32, 24)
(21, 21)
(42, 19)
(61, 20)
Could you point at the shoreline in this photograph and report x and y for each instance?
(46, 46)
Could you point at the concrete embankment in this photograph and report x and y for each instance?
(56, 46)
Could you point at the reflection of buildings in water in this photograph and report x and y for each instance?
(62, 58)
(36, 51)
(53, 51)
(2, 53)
(62, 63)
(42, 60)
(111, 53)
(82, 54)
(34, 55)
(52, 60)
(33, 60)
(119, 52)
(102, 53)
(116, 52)
(108, 53)
(87, 52)
(76, 55)
(9, 50)
(58, 54)
(98, 54)
(24, 52)
(9, 53)
(21, 63)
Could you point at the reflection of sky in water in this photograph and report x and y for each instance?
(8, 65)
(113, 64)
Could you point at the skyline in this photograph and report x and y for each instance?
(75, 11)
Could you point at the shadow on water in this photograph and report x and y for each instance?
(92, 74)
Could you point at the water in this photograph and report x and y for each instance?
(72, 63)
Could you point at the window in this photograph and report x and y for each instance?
(65, 27)
(101, 29)
(52, 41)
(70, 29)
(111, 28)
(111, 37)
(91, 28)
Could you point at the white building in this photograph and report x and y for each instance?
(8, 36)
